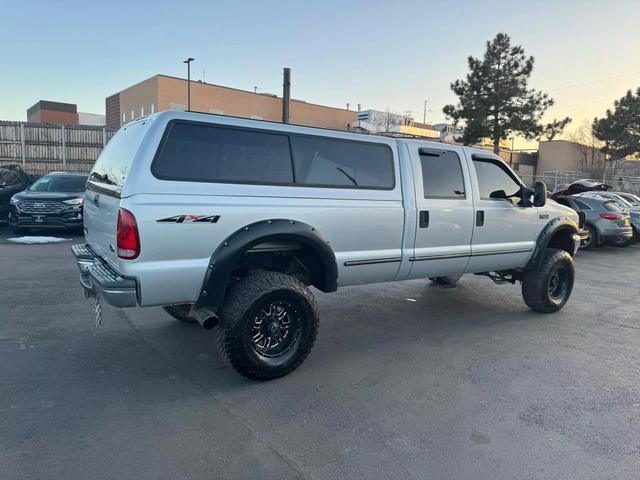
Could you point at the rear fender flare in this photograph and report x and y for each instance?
(233, 247)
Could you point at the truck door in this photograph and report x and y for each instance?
(504, 233)
(444, 211)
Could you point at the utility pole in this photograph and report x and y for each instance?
(424, 115)
(286, 94)
(188, 62)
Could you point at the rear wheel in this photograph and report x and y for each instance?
(268, 325)
(591, 241)
(548, 288)
(180, 312)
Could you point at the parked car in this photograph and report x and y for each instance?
(53, 201)
(227, 222)
(606, 222)
(631, 198)
(12, 181)
(634, 212)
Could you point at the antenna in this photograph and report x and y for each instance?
(203, 79)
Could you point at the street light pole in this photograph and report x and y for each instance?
(188, 62)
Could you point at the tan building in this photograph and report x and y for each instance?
(162, 92)
(566, 156)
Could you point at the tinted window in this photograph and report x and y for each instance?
(216, 154)
(8, 178)
(582, 205)
(493, 179)
(441, 175)
(60, 183)
(342, 163)
(612, 206)
(112, 166)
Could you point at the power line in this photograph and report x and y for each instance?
(594, 81)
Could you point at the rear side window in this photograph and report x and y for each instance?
(582, 205)
(216, 154)
(328, 162)
(441, 174)
(111, 169)
(611, 206)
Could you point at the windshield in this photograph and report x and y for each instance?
(60, 183)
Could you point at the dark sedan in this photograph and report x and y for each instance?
(53, 201)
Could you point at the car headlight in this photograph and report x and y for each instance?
(74, 201)
(14, 201)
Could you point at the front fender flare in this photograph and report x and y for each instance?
(235, 245)
(554, 226)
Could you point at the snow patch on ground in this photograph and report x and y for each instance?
(33, 240)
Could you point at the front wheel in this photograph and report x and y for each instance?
(548, 288)
(269, 323)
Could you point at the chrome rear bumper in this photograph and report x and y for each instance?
(98, 277)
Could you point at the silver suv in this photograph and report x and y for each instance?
(227, 222)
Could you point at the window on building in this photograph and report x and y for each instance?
(441, 174)
(124, 118)
(216, 154)
(142, 111)
(179, 107)
(152, 108)
(132, 115)
(495, 182)
(342, 163)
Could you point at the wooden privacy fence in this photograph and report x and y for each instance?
(41, 148)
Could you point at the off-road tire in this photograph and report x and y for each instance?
(243, 303)
(537, 285)
(180, 312)
(593, 239)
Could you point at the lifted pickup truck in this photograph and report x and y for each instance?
(227, 222)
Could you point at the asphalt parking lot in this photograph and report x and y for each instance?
(407, 380)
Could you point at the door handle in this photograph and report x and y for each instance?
(479, 218)
(424, 218)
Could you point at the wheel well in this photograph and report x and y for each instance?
(562, 240)
(297, 259)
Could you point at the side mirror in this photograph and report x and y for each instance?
(525, 196)
(539, 194)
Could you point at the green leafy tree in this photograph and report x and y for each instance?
(495, 101)
(620, 128)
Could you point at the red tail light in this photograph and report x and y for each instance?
(610, 216)
(128, 240)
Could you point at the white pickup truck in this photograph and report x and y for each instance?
(227, 222)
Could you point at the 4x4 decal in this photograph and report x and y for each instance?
(190, 219)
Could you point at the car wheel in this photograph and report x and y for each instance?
(548, 288)
(269, 323)
(180, 312)
(591, 241)
(19, 230)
